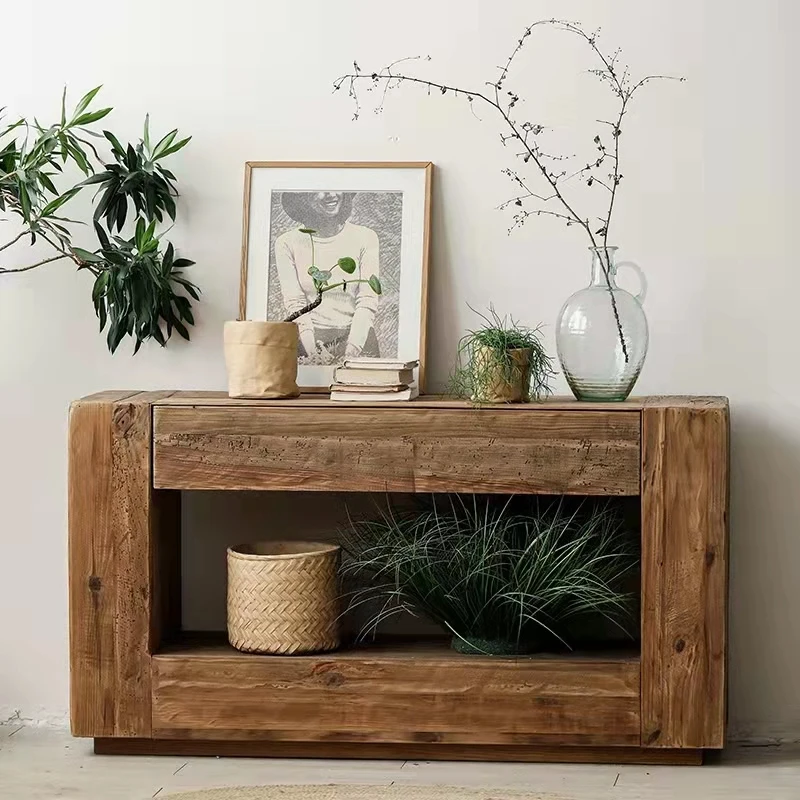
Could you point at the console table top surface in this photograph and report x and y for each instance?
(320, 400)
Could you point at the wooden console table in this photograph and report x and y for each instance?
(138, 685)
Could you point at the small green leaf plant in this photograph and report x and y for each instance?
(140, 289)
(322, 279)
(486, 355)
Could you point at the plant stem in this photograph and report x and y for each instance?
(13, 241)
(618, 82)
(4, 271)
(573, 216)
(318, 299)
(305, 309)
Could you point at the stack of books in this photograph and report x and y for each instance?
(374, 380)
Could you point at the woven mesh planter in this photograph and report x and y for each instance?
(283, 598)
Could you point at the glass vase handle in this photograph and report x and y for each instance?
(640, 274)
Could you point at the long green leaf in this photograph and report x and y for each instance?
(173, 149)
(79, 157)
(25, 201)
(47, 183)
(90, 258)
(164, 143)
(92, 116)
(83, 104)
(98, 177)
(116, 145)
(54, 205)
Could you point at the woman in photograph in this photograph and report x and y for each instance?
(343, 325)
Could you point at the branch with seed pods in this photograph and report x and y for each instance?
(552, 172)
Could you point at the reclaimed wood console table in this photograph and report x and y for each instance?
(139, 685)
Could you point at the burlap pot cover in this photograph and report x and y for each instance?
(261, 358)
(496, 382)
(283, 597)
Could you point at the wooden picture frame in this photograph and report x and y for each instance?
(392, 209)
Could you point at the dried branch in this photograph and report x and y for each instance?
(13, 241)
(610, 73)
(5, 271)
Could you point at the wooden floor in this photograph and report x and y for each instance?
(38, 764)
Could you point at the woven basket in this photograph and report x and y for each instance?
(282, 597)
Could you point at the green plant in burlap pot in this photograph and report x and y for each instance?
(501, 362)
(260, 356)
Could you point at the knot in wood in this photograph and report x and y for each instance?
(123, 418)
(654, 735)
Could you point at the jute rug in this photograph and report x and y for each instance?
(355, 792)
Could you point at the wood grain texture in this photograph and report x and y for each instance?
(108, 396)
(411, 694)
(248, 182)
(92, 590)
(417, 752)
(422, 372)
(110, 567)
(402, 450)
(133, 519)
(315, 400)
(684, 576)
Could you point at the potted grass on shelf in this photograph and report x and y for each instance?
(500, 581)
(501, 362)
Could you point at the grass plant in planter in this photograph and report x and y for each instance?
(261, 357)
(502, 362)
(501, 582)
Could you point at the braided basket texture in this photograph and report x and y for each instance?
(283, 597)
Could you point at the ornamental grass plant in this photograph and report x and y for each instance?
(499, 581)
(501, 362)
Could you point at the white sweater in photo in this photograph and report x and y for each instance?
(352, 308)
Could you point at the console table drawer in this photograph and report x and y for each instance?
(397, 449)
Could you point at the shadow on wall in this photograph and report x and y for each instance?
(764, 623)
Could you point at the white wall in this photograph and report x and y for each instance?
(709, 198)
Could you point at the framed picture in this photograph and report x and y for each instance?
(299, 215)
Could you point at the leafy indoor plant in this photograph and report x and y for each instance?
(501, 582)
(139, 285)
(261, 357)
(502, 362)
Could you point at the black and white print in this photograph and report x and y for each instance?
(377, 214)
(363, 225)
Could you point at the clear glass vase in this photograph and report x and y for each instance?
(601, 333)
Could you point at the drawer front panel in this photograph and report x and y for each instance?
(398, 449)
